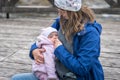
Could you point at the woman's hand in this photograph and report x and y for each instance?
(57, 43)
(38, 55)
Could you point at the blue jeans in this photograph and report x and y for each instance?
(24, 76)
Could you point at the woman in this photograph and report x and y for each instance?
(80, 36)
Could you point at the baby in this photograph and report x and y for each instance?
(47, 70)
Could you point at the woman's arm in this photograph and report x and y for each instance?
(83, 58)
(33, 47)
(36, 54)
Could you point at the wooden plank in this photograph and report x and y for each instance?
(107, 10)
(51, 9)
(28, 9)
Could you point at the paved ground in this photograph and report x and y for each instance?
(17, 34)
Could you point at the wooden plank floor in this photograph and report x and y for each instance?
(17, 35)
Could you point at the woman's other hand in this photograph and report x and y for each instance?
(57, 43)
(38, 55)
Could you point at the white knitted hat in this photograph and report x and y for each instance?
(47, 31)
(70, 5)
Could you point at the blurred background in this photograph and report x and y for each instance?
(21, 22)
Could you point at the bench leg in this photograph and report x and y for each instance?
(7, 15)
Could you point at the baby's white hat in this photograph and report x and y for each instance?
(47, 31)
(70, 5)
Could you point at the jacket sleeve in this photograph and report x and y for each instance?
(54, 25)
(84, 56)
(33, 47)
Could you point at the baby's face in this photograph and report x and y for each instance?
(53, 36)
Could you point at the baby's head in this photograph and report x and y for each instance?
(50, 33)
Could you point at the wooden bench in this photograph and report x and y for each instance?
(9, 6)
(113, 3)
(33, 9)
(7, 3)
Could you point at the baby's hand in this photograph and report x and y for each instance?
(57, 43)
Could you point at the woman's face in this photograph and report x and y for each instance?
(63, 13)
